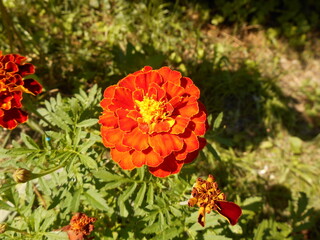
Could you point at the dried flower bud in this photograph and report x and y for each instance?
(3, 227)
(22, 175)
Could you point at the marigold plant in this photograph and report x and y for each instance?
(13, 71)
(153, 118)
(80, 227)
(209, 197)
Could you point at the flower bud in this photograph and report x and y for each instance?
(22, 175)
(3, 227)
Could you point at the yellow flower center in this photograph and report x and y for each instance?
(151, 110)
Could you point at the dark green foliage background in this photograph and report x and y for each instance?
(81, 47)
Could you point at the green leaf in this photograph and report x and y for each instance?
(6, 206)
(140, 195)
(86, 145)
(96, 200)
(21, 151)
(88, 161)
(29, 142)
(115, 184)
(150, 194)
(106, 176)
(57, 235)
(218, 120)
(75, 202)
(88, 122)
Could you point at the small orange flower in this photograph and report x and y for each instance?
(12, 84)
(153, 118)
(80, 227)
(209, 197)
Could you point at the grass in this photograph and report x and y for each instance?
(268, 143)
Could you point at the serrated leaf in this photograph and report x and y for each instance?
(29, 142)
(84, 146)
(128, 192)
(96, 200)
(20, 151)
(150, 194)
(6, 206)
(112, 185)
(56, 235)
(140, 195)
(218, 120)
(106, 176)
(88, 122)
(154, 228)
(88, 161)
(74, 205)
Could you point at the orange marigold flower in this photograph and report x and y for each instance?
(12, 84)
(80, 227)
(153, 118)
(209, 197)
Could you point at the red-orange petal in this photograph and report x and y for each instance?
(125, 123)
(161, 127)
(12, 117)
(180, 125)
(33, 86)
(128, 82)
(123, 98)
(144, 79)
(167, 167)
(173, 90)
(170, 75)
(112, 136)
(165, 144)
(193, 155)
(147, 157)
(124, 159)
(109, 91)
(187, 108)
(229, 210)
(190, 88)
(136, 140)
(108, 119)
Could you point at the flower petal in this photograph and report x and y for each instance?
(173, 90)
(180, 125)
(165, 144)
(170, 75)
(124, 159)
(144, 79)
(147, 157)
(108, 119)
(123, 98)
(190, 88)
(128, 82)
(112, 136)
(167, 167)
(33, 86)
(229, 210)
(136, 140)
(193, 155)
(187, 108)
(125, 123)
(12, 117)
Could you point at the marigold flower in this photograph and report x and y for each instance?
(153, 118)
(12, 84)
(209, 197)
(80, 227)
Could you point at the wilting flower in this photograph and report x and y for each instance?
(153, 118)
(80, 227)
(12, 84)
(209, 197)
